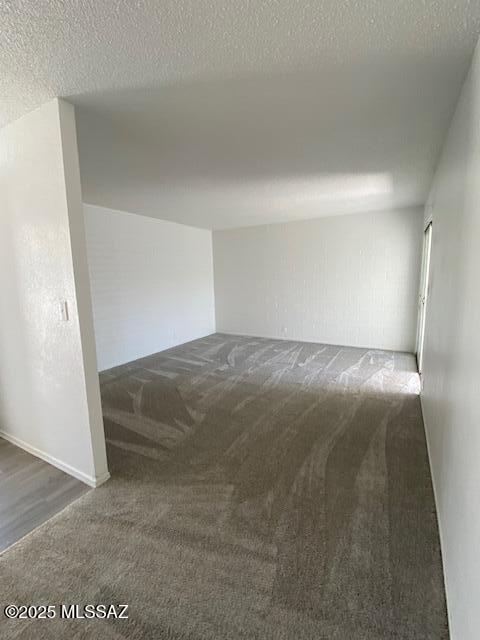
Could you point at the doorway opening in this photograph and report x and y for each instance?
(423, 297)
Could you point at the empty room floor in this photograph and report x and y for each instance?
(260, 489)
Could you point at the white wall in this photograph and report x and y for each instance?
(151, 281)
(451, 372)
(49, 395)
(350, 280)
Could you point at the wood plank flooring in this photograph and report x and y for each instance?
(31, 492)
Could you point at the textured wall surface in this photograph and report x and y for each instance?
(151, 281)
(350, 280)
(49, 395)
(451, 374)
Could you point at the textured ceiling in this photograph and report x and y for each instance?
(223, 113)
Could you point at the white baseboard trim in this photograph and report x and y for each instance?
(91, 481)
(103, 368)
(309, 341)
(439, 521)
(244, 334)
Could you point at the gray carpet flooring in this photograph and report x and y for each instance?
(260, 489)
